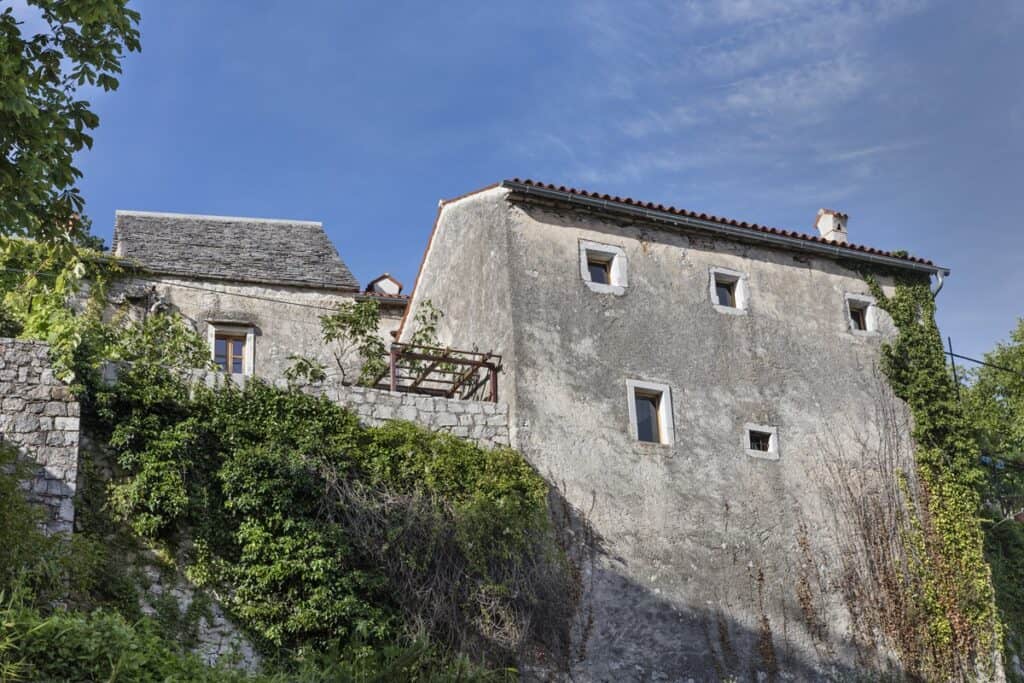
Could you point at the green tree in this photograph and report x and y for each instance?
(43, 120)
(994, 402)
(995, 399)
(352, 330)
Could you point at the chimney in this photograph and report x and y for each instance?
(831, 225)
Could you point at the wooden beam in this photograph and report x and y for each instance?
(427, 370)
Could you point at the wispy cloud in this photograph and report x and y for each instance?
(681, 90)
(872, 151)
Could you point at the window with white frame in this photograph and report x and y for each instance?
(603, 267)
(650, 411)
(232, 346)
(761, 441)
(861, 314)
(728, 290)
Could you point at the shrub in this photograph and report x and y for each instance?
(319, 532)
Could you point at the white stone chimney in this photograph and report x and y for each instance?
(831, 225)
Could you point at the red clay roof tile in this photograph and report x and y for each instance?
(718, 219)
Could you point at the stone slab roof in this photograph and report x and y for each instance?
(255, 250)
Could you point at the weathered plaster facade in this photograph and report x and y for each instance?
(40, 417)
(282, 320)
(700, 540)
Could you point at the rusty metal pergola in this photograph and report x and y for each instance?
(446, 372)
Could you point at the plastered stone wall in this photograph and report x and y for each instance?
(39, 415)
(701, 546)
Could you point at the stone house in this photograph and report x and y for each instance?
(685, 381)
(255, 288)
(680, 378)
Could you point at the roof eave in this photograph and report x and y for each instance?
(831, 250)
(139, 268)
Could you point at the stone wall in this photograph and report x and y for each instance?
(39, 415)
(482, 422)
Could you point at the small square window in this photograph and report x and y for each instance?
(728, 291)
(650, 412)
(860, 314)
(603, 267)
(858, 317)
(600, 268)
(760, 441)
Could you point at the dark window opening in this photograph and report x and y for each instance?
(858, 317)
(726, 293)
(600, 270)
(760, 441)
(229, 352)
(648, 425)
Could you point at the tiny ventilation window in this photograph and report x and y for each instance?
(761, 441)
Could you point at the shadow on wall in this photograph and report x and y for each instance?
(625, 631)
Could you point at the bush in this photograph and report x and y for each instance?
(321, 533)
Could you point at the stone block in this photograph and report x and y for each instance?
(446, 420)
(66, 424)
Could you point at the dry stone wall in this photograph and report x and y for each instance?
(482, 422)
(40, 417)
(485, 423)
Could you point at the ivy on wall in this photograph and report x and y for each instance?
(961, 628)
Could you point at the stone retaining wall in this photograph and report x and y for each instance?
(39, 415)
(482, 422)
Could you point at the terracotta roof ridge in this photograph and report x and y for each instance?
(757, 227)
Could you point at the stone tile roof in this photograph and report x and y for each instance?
(755, 227)
(224, 248)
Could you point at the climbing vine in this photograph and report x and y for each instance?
(945, 539)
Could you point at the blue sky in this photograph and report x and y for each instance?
(906, 114)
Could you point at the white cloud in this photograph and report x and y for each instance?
(802, 93)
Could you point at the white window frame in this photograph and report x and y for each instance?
(740, 293)
(666, 429)
(870, 314)
(773, 451)
(617, 271)
(214, 328)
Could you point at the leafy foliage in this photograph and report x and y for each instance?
(994, 400)
(946, 540)
(287, 503)
(53, 295)
(353, 331)
(304, 370)
(43, 122)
